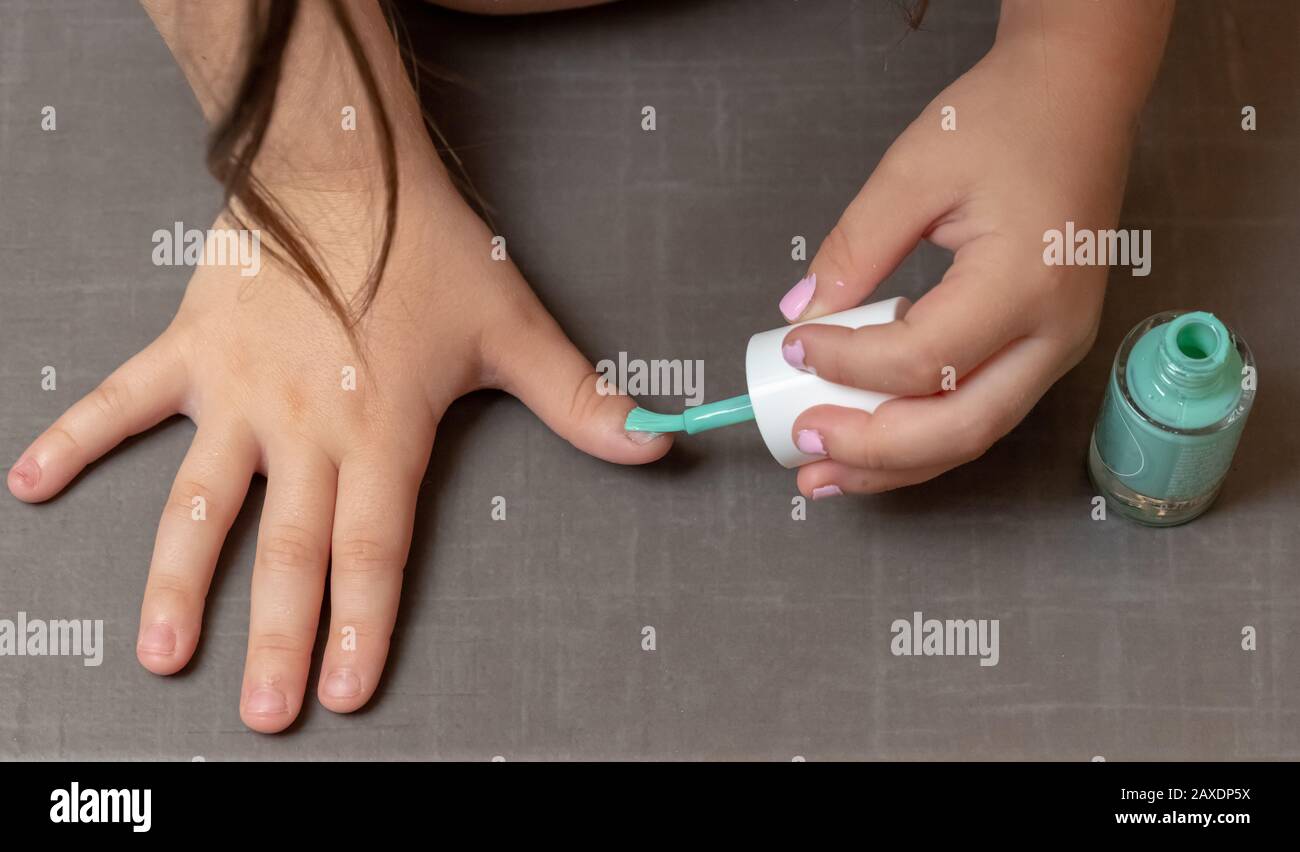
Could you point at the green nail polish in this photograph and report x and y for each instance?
(1179, 393)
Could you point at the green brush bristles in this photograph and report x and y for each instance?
(640, 420)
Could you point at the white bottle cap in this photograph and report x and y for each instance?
(780, 393)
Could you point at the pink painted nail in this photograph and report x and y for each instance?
(824, 491)
(158, 639)
(794, 355)
(27, 471)
(839, 283)
(794, 303)
(266, 701)
(810, 441)
(642, 437)
(342, 684)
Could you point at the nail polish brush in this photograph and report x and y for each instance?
(778, 392)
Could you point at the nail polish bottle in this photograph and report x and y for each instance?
(1179, 393)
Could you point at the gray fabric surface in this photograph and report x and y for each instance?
(522, 638)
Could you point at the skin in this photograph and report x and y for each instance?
(257, 364)
(1045, 123)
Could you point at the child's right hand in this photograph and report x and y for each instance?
(258, 364)
(1046, 125)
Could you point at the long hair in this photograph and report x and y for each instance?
(913, 12)
(236, 139)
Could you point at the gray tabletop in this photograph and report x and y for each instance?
(523, 638)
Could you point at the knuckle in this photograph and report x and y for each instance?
(586, 399)
(361, 555)
(272, 643)
(367, 629)
(839, 248)
(292, 550)
(180, 504)
(110, 398)
(877, 458)
(164, 584)
(922, 367)
(901, 168)
(61, 434)
(866, 453)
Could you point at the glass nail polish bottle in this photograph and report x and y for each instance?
(1177, 400)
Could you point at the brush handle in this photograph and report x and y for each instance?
(715, 415)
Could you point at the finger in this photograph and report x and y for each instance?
(880, 227)
(949, 429)
(824, 479)
(139, 394)
(953, 329)
(373, 518)
(535, 361)
(293, 545)
(205, 499)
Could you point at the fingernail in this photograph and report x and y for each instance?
(266, 702)
(823, 491)
(642, 437)
(27, 471)
(158, 639)
(342, 684)
(810, 441)
(793, 354)
(794, 303)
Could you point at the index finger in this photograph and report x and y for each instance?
(976, 310)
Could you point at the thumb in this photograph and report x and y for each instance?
(532, 359)
(880, 227)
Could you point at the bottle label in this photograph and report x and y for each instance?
(1158, 464)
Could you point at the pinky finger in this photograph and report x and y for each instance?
(139, 394)
(823, 479)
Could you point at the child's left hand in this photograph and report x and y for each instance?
(276, 386)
